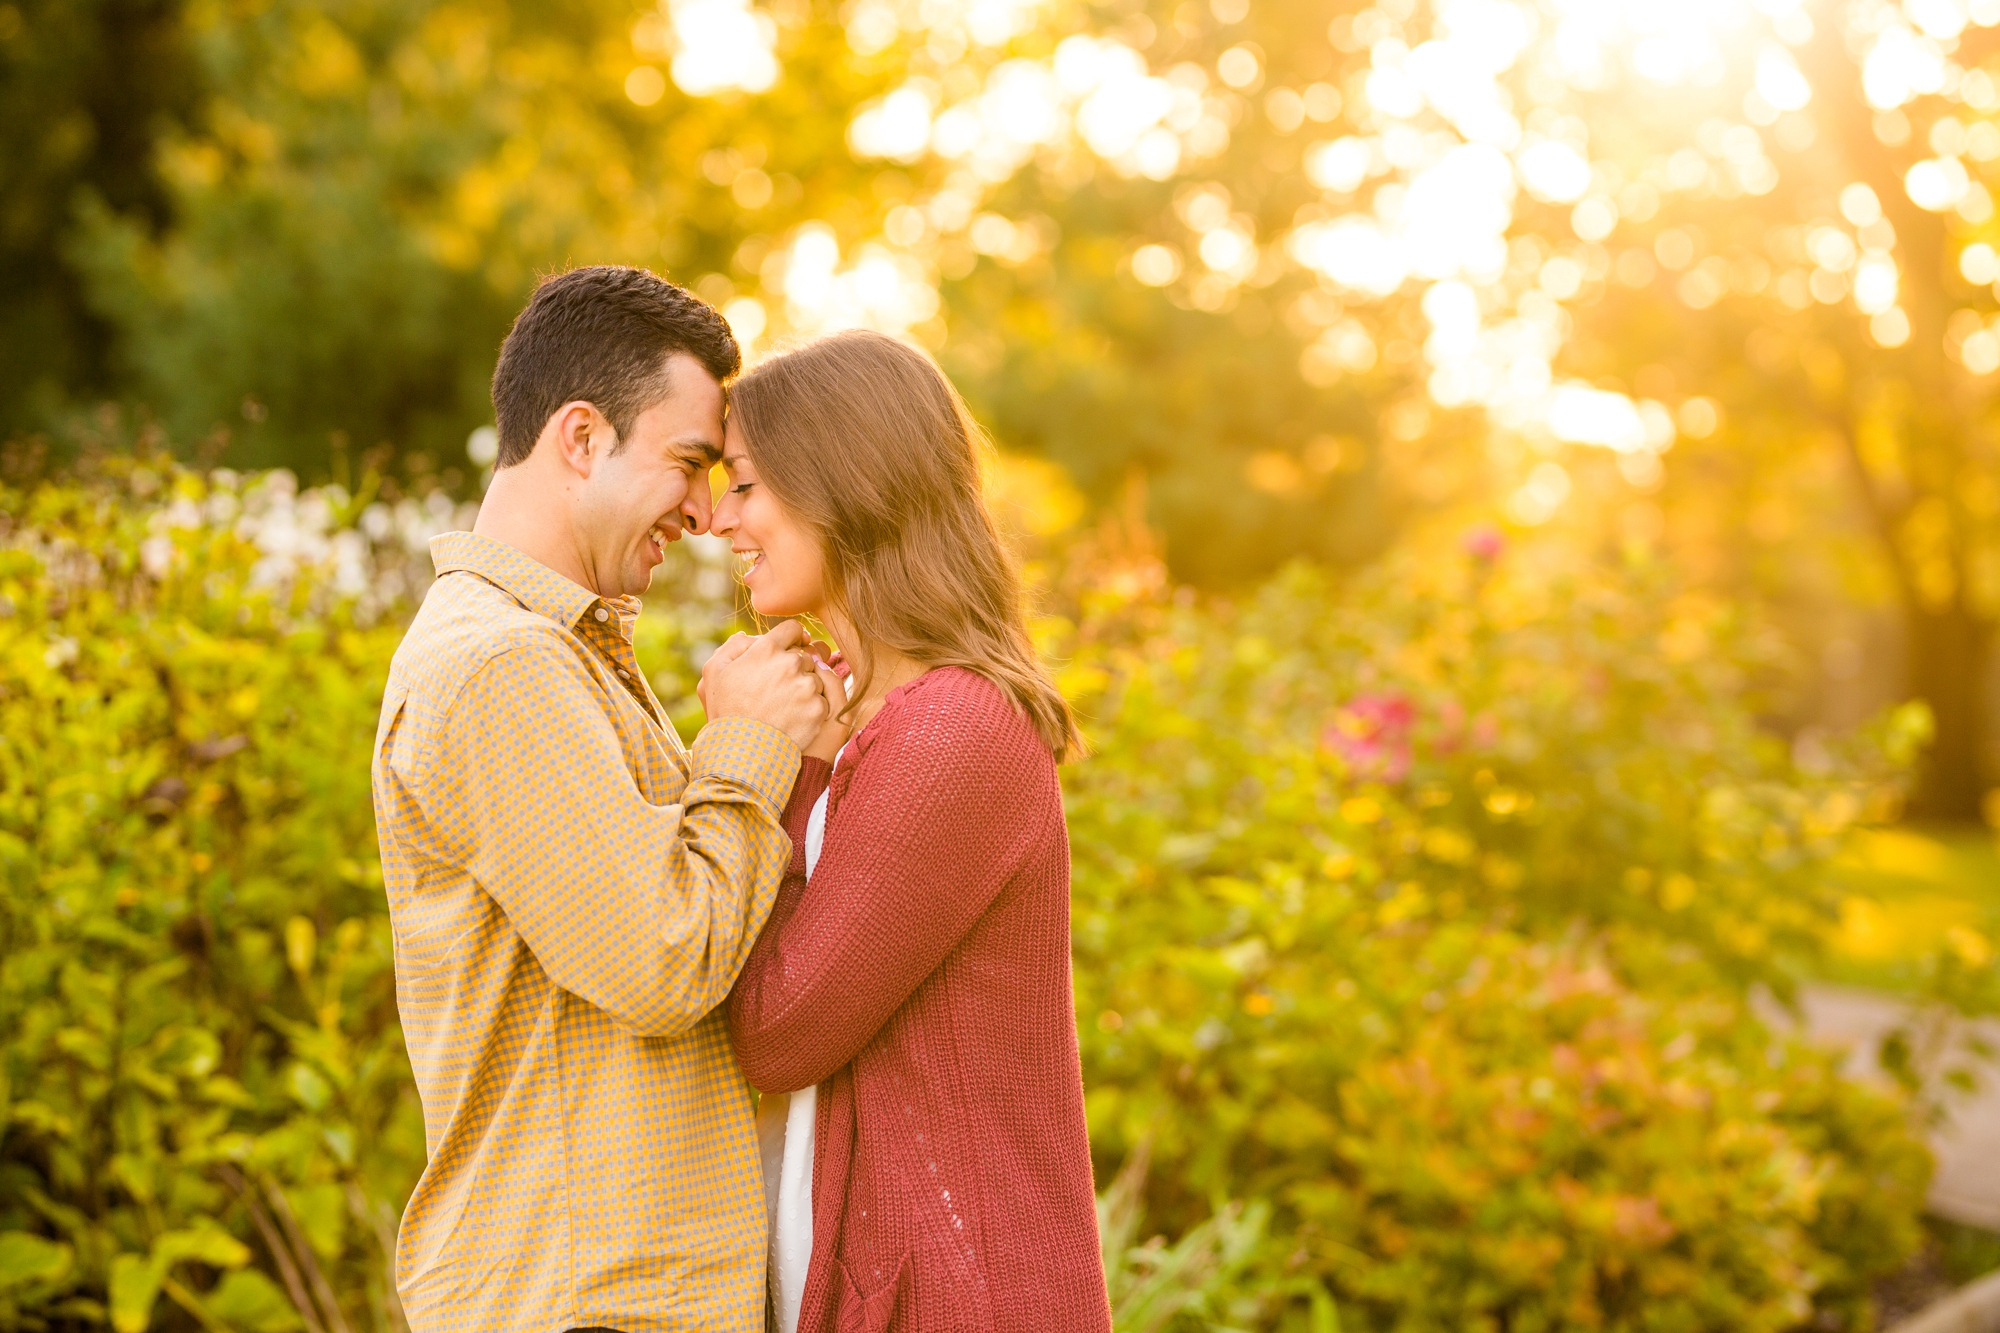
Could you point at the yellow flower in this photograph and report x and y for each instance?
(1971, 946)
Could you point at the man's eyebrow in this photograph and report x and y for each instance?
(700, 448)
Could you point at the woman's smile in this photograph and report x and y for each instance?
(782, 564)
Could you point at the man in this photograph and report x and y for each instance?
(573, 892)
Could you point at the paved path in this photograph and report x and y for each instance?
(1967, 1185)
(1970, 1309)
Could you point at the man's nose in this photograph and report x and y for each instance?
(697, 513)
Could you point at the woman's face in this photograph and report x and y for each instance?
(786, 574)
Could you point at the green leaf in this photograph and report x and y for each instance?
(339, 1140)
(309, 1087)
(134, 1286)
(207, 1244)
(25, 1258)
(322, 1215)
(247, 1299)
(1325, 1314)
(301, 943)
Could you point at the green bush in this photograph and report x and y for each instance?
(1428, 909)
(204, 1094)
(1417, 923)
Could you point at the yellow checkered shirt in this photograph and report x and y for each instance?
(572, 894)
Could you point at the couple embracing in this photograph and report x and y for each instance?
(851, 892)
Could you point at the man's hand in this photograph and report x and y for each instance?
(770, 677)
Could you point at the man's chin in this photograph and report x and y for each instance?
(645, 564)
(636, 578)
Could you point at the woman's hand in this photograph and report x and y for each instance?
(833, 677)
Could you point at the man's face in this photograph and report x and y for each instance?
(646, 494)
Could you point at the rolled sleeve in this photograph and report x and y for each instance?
(754, 755)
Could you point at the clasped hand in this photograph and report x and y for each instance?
(779, 677)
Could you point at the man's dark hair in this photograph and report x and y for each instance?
(600, 335)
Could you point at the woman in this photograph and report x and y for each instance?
(911, 990)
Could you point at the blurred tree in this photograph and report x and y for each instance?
(86, 86)
(1302, 271)
(1500, 241)
(1098, 193)
(1835, 308)
(370, 191)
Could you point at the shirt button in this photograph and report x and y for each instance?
(623, 672)
(602, 614)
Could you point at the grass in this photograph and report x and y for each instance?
(1910, 894)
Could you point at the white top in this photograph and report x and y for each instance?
(785, 1129)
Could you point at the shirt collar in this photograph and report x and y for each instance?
(627, 610)
(525, 579)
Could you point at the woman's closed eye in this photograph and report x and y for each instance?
(741, 487)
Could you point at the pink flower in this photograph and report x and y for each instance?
(1454, 731)
(1484, 542)
(1372, 734)
(1485, 731)
(1450, 727)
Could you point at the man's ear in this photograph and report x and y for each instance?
(580, 436)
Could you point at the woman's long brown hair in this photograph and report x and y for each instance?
(863, 439)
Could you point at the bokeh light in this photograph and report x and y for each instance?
(722, 46)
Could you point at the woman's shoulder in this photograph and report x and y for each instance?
(946, 691)
(954, 707)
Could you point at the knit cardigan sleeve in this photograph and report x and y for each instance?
(813, 776)
(945, 790)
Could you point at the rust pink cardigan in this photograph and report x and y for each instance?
(922, 981)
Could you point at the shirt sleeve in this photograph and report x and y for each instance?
(938, 814)
(646, 911)
(814, 774)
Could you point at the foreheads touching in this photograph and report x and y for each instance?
(609, 402)
(606, 336)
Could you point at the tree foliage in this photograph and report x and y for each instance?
(1308, 272)
(86, 89)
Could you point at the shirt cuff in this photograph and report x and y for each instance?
(815, 775)
(751, 754)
